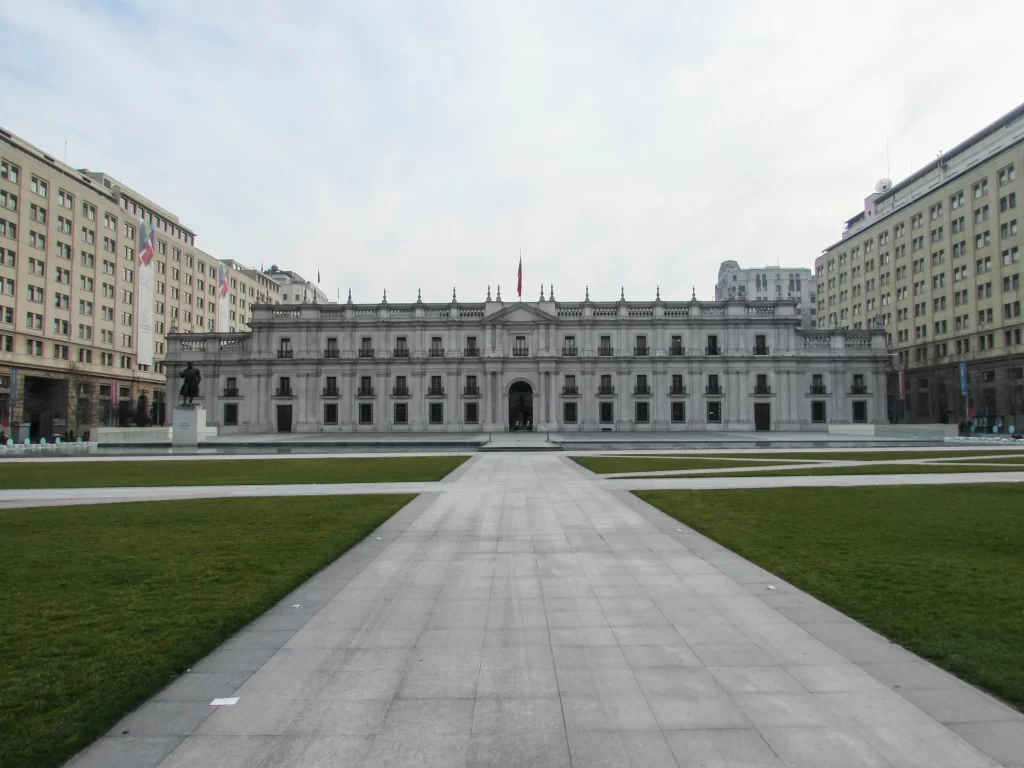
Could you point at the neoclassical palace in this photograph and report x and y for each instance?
(543, 365)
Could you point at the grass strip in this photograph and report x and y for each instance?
(102, 605)
(606, 465)
(865, 469)
(936, 569)
(67, 473)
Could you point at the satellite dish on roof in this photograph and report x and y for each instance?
(884, 185)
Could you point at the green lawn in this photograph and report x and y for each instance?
(936, 569)
(102, 605)
(787, 457)
(996, 460)
(110, 474)
(861, 469)
(608, 465)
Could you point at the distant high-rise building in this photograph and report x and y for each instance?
(768, 284)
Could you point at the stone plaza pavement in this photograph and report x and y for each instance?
(525, 613)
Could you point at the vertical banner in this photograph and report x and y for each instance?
(963, 378)
(903, 384)
(144, 333)
(222, 298)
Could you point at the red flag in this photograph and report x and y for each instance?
(520, 285)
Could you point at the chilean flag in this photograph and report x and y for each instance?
(146, 245)
(519, 288)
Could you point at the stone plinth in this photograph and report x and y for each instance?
(188, 425)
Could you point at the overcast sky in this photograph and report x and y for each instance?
(405, 145)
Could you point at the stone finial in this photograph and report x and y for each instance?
(551, 292)
(419, 295)
(587, 297)
(488, 292)
(542, 291)
(693, 296)
(657, 294)
(385, 299)
(349, 295)
(622, 294)
(453, 295)
(499, 294)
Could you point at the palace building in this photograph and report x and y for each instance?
(543, 365)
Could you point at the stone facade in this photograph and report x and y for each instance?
(585, 366)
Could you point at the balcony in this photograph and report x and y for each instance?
(712, 351)
(818, 389)
(284, 392)
(366, 352)
(284, 353)
(471, 352)
(761, 350)
(605, 391)
(762, 389)
(571, 391)
(332, 353)
(604, 351)
(713, 390)
(436, 352)
(570, 351)
(401, 352)
(859, 389)
(435, 392)
(331, 392)
(471, 391)
(642, 390)
(520, 351)
(400, 392)
(678, 391)
(364, 392)
(676, 351)
(231, 392)
(641, 351)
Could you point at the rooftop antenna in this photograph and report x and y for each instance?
(65, 152)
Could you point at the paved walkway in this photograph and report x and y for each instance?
(525, 614)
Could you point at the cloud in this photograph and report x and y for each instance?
(395, 145)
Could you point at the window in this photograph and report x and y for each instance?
(330, 413)
(34, 321)
(61, 327)
(231, 414)
(981, 214)
(436, 413)
(641, 345)
(981, 189)
(641, 385)
(714, 412)
(678, 412)
(712, 345)
(36, 239)
(605, 412)
(36, 294)
(643, 413)
(860, 411)
(8, 229)
(472, 413)
(401, 413)
(1007, 202)
(713, 386)
(39, 186)
(817, 411)
(569, 413)
(9, 171)
(1006, 175)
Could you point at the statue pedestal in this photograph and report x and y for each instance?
(188, 423)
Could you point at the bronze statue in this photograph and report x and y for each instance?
(190, 388)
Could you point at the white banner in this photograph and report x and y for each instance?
(222, 298)
(144, 266)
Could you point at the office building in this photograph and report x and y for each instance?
(934, 261)
(769, 284)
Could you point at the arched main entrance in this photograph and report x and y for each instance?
(520, 407)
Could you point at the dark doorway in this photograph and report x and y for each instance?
(520, 407)
(762, 417)
(284, 418)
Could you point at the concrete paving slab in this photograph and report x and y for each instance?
(528, 613)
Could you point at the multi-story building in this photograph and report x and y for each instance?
(934, 261)
(769, 284)
(246, 288)
(295, 289)
(545, 365)
(74, 346)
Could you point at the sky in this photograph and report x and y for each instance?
(425, 144)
